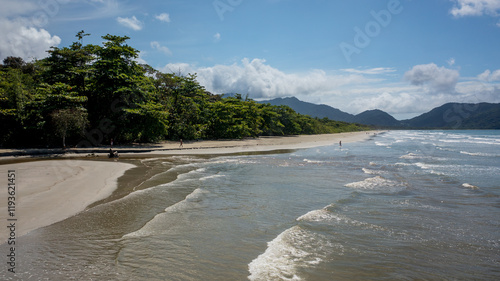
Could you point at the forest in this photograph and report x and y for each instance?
(86, 95)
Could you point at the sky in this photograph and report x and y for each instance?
(401, 56)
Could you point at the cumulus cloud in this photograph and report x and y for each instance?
(350, 91)
(394, 103)
(132, 23)
(489, 76)
(217, 36)
(164, 17)
(260, 80)
(19, 39)
(156, 45)
(464, 8)
(440, 79)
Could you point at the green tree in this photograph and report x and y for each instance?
(103, 86)
(70, 65)
(69, 121)
(118, 84)
(17, 88)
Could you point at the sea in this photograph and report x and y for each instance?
(402, 205)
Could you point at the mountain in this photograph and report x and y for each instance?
(377, 118)
(459, 116)
(447, 116)
(370, 117)
(311, 109)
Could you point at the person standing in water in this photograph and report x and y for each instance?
(340, 143)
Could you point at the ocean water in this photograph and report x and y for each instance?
(404, 205)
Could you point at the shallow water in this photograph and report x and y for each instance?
(403, 205)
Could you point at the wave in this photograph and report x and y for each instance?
(410, 156)
(155, 224)
(211, 177)
(314, 161)
(317, 216)
(470, 186)
(377, 183)
(488, 142)
(373, 172)
(479, 154)
(435, 169)
(326, 216)
(387, 144)
(293, 249)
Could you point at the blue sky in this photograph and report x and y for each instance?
(402, 56)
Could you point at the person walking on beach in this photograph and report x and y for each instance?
(180, 140)
(340, 143)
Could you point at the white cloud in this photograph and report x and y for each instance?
(451, 61)
(164, 17)
(464, 8)
(132, 23)
(374, 71)
(489, 76)
(354, 92)
(393, 103)
(19, 39)
(217, 36)
(260, 80)
(440, 79)
(156, 45)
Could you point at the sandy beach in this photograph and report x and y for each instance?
(195, 147)
(258, 144)
(49, 191)
(52, 190)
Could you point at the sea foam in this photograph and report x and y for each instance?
(293, 249)
(377, 183)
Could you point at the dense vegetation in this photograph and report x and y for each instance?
(85, 95)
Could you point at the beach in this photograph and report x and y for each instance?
(261, 144)
(49, 191)
(400, 205)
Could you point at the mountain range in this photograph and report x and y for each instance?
(447, 116)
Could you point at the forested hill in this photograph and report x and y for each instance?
(459, 116)
(447, 116)
(86, 95)
(369, 117)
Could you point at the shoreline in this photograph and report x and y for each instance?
(203, 147)
(50, 191)
(52, 188)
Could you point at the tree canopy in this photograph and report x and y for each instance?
(86, 95)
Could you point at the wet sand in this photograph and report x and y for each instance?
(52, 190)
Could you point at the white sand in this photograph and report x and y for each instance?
(256, 144)
(53, 190)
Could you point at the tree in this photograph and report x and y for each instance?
(91, 85)
(13, 62)
(71, 66)
(69, 121)
(117, 84)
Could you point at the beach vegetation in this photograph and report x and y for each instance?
(77, 89)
